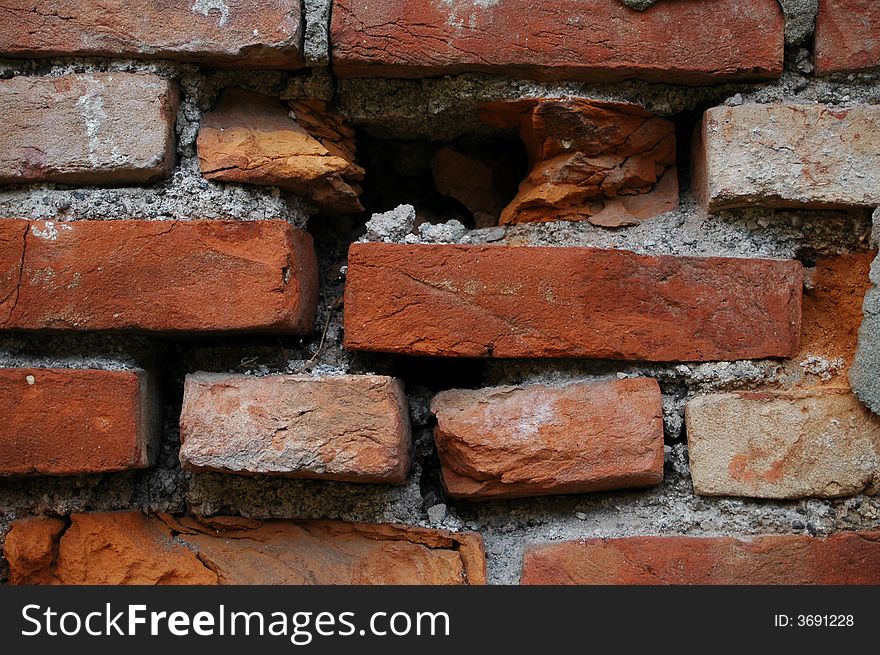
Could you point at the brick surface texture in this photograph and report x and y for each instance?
(157, 276)
(846, 36)
(507, 442)
(128, 548)
(352, 428)
(675, 41)
(102, 128)
(67, 422)
(252, 33)
(495, 301)
(845, 558)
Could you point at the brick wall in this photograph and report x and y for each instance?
(440, 292)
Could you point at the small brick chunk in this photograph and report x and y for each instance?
(70, 421)
(845, 558)
(847, 36)
(788, 155)
(502, 301)
(677, 41)
(157, 276)
(254, 139)
(795, 444)
(252, 33)
(127, 548)
(610, 163)
(97, 128)
(353, 428)
(509, 442)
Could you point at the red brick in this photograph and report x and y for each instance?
(133, 548)
(157, 276)
(100, 128)
(510, 442)
(847, 36)
(502, 301)
(788, 155)
(676, 41)
(783, 444)
(67, 422)
(251, 33)
(353, 428)
(844, 558)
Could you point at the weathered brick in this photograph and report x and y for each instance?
(353, 428)
(501, 301)
(508, 442)
(847, 38)
(674, 41)
(778, 444)
(254, 33)
(788, 155)
(610, 163)
(844, 558)
(67, 422)
(157, 276)
(254, 139)
(96, 128)
(133, 548)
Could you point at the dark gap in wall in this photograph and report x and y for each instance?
(686, 123)
(470, 179)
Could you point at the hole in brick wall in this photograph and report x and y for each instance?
(470, 179)
(440, 374)
(685, 123)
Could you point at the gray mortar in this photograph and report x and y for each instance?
(441, 109)
(316, 45)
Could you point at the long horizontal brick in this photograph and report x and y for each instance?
(501, 301)
(845, 558)
(251, 33)
(353, 428)
(509, 442)
(98, 128)
(67, 422)
(157, 276)
(788, 155)
(847, 39)
(127, 548)
(795, 444)
(675, 41)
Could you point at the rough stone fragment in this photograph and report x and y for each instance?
(777, 444)
(612, 164)
(845, 558)
(69, 421)
(675, 41)
(353, 428)
(95, 128)
(157, 276)
(788, 155)
(134, 548)
(499, 301)
(254, 139)
(508, 442)
(847, 37)
(253, 33)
